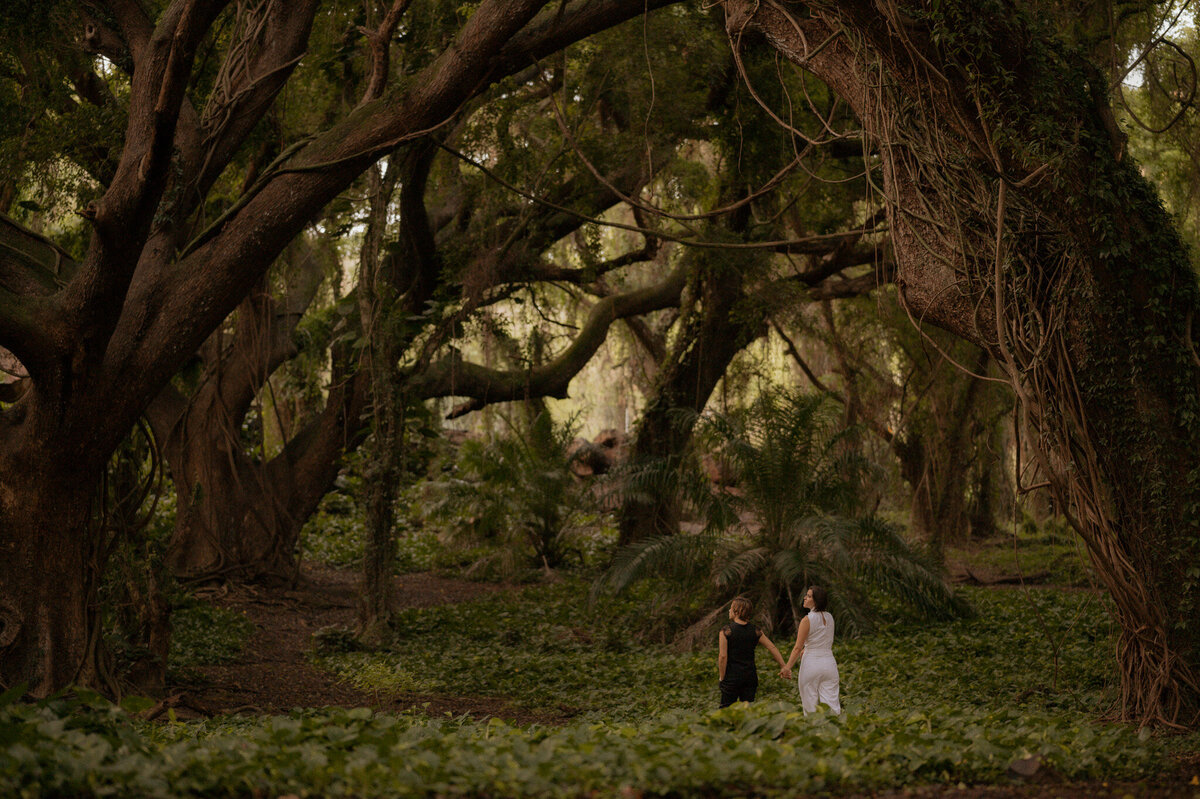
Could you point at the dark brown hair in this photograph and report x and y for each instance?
(820, 597)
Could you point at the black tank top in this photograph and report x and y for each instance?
(741, 638)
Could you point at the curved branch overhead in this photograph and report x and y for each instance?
(166, 260)
(297, 190)
(1014, 218)
(455, 377)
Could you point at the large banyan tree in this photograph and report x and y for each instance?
(1020, 224)
(190, 82)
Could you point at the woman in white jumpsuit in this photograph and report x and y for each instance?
(814, 648)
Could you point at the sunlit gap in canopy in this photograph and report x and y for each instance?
(1176, 22)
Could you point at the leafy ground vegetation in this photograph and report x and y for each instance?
(1007, 702)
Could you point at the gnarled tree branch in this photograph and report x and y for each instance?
(458, 378)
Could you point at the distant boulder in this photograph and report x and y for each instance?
(456, 438)
(718, 470)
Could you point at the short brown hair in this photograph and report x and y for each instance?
(741, 607)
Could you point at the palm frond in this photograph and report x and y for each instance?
(697, 632)
(890, 563)
(517, 493)
(684, 556)
(800, 477)
(738, 569)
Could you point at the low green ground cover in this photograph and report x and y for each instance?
(1035, 649)
(203, 634)
(1046, 557)
(924, 703)
(763, 749)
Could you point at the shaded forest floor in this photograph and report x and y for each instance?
(275, 675)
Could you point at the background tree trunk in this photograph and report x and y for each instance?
(710, 338)
(937, 461)
(383, 342)
(239, 513)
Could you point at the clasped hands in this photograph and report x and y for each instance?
(785, 673)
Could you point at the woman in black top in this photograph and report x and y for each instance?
(735, 654)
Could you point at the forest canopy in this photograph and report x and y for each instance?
(702, 299)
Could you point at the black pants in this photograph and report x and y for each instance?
(738, 690)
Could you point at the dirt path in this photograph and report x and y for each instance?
(274, 675)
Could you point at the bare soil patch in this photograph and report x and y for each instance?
(274, 674)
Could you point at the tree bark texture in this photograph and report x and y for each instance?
(378, 310)
(239, 515)
(101, 343)
(1020, 225)
(49, 574)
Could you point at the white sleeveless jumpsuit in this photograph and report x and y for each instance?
(818, 670)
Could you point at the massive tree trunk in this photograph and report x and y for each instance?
(157, 279)
(239, 514)
(49, 575)
(1020, 225)
(238, 518)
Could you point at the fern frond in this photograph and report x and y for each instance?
(684, 556)
(738, 569)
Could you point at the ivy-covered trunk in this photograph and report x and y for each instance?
(381, 348)
(1020, 224)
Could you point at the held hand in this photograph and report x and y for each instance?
(785, 673)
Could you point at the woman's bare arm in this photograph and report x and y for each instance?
(798, 649)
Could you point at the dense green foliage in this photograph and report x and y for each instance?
(517, 493)
(334, 534)
(795, 517)
(956, 700)
(764, 749)
(545, 649)
(203, 634)
(926, 703)
(1050, 555)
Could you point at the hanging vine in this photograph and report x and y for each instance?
(1024, 229)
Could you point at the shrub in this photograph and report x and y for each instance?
(518, 496)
